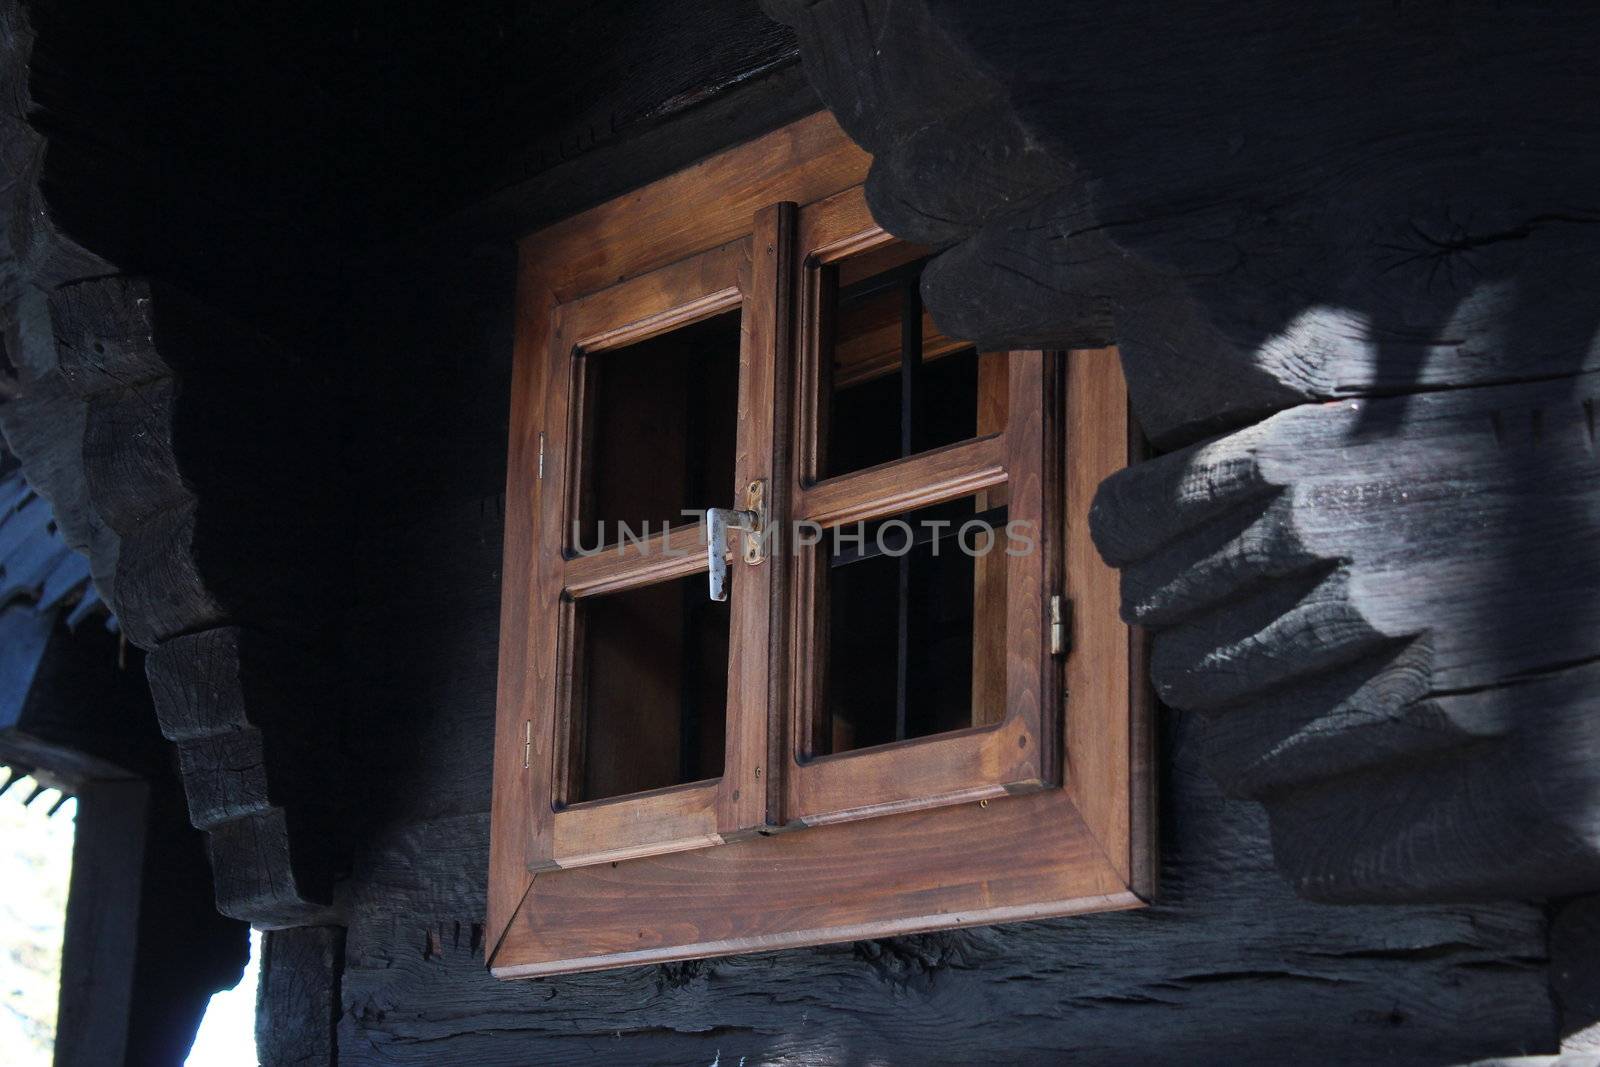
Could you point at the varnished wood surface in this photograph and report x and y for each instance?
(1020, 754)
(1107, 769)
(706, 204)
(1013, 859)
(688, 817)
(1020, 453)
(932, 477)
(840, 804)
(757, 643)
(663, 820)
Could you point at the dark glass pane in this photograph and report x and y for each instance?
(915, 627)
(868, 302)
(653, 688)
(660, 418)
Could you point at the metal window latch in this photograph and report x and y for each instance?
(751, 520)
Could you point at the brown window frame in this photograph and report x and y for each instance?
(786, 849)
(1016, 754)
(695, 814)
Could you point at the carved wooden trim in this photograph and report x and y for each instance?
(95, 415)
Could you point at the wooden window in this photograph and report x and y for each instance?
(916, 707)
(963, 450)
(662, 387)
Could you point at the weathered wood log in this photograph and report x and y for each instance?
(1370, 595)
(96, 411)
(258, 768)
(1235, 219)
(1227, 965)
(297, 1001)
(1380, 612)
(1575, 974)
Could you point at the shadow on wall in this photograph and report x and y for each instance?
(1385, 604)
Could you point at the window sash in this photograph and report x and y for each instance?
(1018, 754)
(749, 274)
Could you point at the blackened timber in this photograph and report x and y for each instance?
(1251, 251)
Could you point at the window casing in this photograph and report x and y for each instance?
(1030, 803)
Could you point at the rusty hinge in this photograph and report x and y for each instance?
(1060, 624)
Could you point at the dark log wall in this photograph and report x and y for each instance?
(1386, 604)
(287, 462)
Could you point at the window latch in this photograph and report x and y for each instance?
(751, 521)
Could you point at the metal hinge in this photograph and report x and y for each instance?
(1060, 624)
(527, 743)
(541, 456)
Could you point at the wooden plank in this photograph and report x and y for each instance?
(655, 303)
(988, 570)
(675, 553)
(699, 207)
(904, 484)
(523, 667)
(1101, 772)
(663, 820)
(1018, 858)
(758, 595)
(297, 998)
(102, 930)
(976, 764)
(1032, 440)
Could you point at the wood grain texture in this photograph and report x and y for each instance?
(1020, 753)
(708, 204)
(1254, 246)
(1228, 958)
(1106, 766)
(1024, 858)
(759, 638)
(1337, 646)
(645, 306)
(297, 996)
(900, 485)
